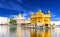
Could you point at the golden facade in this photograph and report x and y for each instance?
(40, 17)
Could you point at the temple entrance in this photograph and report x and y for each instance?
(46, 25)
(23, 23)
(39, 24)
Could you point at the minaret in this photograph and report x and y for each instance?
(49, 15)
(49, 12)
(40, 11)
(32, 14)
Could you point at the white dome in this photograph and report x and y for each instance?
(19, 17)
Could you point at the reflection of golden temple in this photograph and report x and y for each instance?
(40, 17)
(36, 33)
(46, 33)
(21, 32)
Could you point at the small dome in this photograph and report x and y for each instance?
(49, 12)
(40, 11)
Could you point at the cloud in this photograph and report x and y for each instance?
(26, 13)
(11, 5)
(20, 1)
(12, 16)
(56, 22)
(2, 0)
(53, 15)
(56, 19)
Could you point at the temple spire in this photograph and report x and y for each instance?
(49, 12)
(40, 11)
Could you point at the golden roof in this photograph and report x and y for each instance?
(39, 12)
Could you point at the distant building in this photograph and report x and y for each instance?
(39, 17)
(55, 22)
(21, 20)
(4, 20)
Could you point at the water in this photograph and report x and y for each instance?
(17, 31)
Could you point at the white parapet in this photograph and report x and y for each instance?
(39, 24)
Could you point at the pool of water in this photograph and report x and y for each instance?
(17, 31)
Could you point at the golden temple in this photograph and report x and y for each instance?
(45, 19)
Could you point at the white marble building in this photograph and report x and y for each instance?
(21, 20)
(4, 20)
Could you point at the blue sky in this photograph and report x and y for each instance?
(10, 8)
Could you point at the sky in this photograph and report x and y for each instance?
(11, 8)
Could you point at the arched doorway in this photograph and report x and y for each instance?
(46, 25)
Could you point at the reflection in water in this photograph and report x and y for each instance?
(55, 32)
(8, 31)
(40, 33)
(4, 31)
(12, 32)
(46, 33)
(25, 32)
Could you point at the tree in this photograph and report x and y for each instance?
(13, 21)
